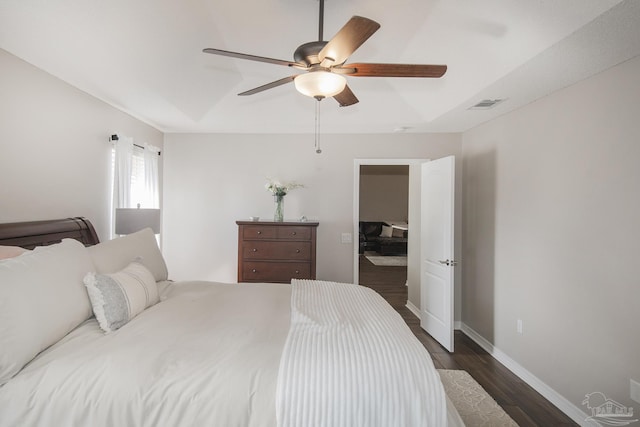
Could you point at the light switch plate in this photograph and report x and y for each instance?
(346, 238)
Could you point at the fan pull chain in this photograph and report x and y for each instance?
(317, 129)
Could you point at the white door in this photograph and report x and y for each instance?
(436, 250)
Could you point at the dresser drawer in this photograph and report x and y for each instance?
(277, 250)
(294, 233)
(257, 232)
(281, 272)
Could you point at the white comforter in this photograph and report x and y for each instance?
(209, 355)
(350, 360)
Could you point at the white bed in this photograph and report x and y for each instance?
(210, 354)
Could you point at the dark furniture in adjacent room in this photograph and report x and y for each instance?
(371, 240)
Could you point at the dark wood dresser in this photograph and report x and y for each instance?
(276, 251)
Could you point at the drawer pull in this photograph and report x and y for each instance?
(255, 250)
(297, 251)
(297, 271)
(253, 271)
(293, 233)
(259, 232)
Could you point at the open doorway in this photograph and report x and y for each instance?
(383, 224)
(430, 235)
(412, 290)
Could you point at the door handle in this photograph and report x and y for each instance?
(448, 262)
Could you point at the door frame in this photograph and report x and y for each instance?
(413, 192)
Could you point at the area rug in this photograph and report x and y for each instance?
(394, 261)
(475, 406)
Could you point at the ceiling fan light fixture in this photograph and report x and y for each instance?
(320, 84)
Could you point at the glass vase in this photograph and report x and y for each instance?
(278, 215)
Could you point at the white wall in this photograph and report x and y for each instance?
(551, 234)
(55, 155)
(213, 180)
(384, 196)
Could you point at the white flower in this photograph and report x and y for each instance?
(281, 189)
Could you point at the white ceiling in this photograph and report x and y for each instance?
(145, 57)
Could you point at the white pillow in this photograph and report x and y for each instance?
(396, 232)
(41, 300)
(7, 252)
(116, 254)
(386, 231)
(119, 297)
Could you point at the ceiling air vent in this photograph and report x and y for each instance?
(486, 104)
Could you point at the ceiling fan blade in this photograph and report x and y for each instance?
(394, 70)
(350, 37)
(254, 58)
(346, 97)
(268, 86)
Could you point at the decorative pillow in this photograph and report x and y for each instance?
(11, 251)
(119, 297)
(396, 232)
(116, 254)
(386, 231)
(41, 300)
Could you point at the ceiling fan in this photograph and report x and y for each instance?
(324, 63)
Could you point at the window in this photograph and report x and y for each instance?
(139, 195)
(135, 175)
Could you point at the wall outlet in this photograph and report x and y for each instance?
(635, 390)
(519, 326)
(346, 238)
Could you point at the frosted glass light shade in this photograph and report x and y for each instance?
(320, 84)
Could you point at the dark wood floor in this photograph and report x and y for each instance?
(526, 406)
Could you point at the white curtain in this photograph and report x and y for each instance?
(122, 172)
(152, 186)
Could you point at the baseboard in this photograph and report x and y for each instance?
(571, 410)
(457, 325)
(412, 308)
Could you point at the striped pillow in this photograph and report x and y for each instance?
(117, 298)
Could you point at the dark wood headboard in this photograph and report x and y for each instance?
(41, 233)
